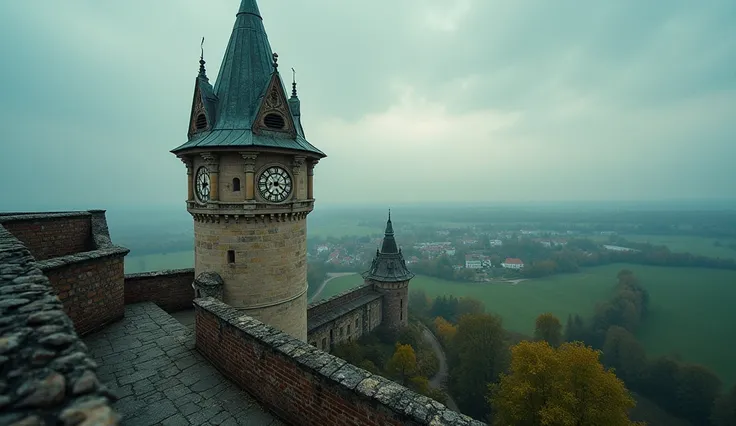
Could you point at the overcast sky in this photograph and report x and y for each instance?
(412, 100)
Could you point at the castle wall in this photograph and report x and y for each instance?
(90, 285)
(83, 266)
(171, 290)
(268, 278)
(343, 317)
(395, 302)
(47, 375)
(50, 235)
(302, 384)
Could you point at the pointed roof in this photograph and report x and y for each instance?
(246, 71)
(389, 264)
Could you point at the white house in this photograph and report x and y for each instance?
(617, 248)
(495, 243)
(473, 264)
(512, 263)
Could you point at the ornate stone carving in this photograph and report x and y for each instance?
(208, 284)
(188, 162)
(310, 166)
(250, 161)
(212, 161)
(296, 165)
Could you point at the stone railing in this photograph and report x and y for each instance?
(46, 375)
(302, 384)
(171, 290)
(83, 265)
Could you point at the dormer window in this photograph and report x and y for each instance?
(274, 121)
(201, 122)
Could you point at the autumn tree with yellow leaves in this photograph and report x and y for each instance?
(403, 363)
(563, 386)
(444, 330)
(548, 328)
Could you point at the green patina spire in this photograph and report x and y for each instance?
(246, 71)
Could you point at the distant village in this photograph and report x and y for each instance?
(479, 252)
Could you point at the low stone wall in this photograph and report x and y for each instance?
(171, 290)
(326, 305)
(302, 384)
(46, 375)
(90, 285)
(50, 235)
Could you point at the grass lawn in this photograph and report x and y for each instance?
(683, 243)
(691, 308)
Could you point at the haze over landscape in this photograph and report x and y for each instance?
(476, 100)
(560, 177)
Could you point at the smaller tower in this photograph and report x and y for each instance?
(390, 276)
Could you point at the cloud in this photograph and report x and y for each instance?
(418, 100)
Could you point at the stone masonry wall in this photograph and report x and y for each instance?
(350, 325)
(46, 375)
(302, 384)
(83, 265)
(323, 306)
(50, 235)
(171, 290)
(90, 285)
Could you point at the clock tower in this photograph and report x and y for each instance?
(249, 179)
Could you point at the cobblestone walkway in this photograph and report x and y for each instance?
(149, 360)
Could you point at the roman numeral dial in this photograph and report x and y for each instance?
(274, 184)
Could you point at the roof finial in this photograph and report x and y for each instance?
(202, 71)
(275, 61)
(389, 215)
(293, 83)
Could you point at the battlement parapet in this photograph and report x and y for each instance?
(171, 290)
(302, 384)
(47, 375)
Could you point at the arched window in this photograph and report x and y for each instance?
(236, 184)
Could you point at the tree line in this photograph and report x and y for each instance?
(686, 390)
(490, 367)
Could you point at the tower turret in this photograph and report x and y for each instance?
(390, 276)
(250, 186)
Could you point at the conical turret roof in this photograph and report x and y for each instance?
(389, 264)
(246, 71)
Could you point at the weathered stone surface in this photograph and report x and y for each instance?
(93, 412)
(49, 391)
(85, 384)
(42, 359)
(57, 340)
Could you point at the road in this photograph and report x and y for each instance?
(330, 276)
(439, 379)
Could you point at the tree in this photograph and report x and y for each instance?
(548, 328)
(418, 302)
(444, 330)
(697, 389)
(724, 409)
(403, 364)
(479, 353)
(623, 353)
(564, 386)
(469, 305)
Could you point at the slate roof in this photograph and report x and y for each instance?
(314, 322)
(246, 70)
(389, 264)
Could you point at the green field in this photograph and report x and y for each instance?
(683, 243)
(691, 308)
(158, 262)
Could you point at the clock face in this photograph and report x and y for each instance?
(202, 184)
(274, 184)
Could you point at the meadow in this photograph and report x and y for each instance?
(683, 243)
(691, 309)
(158, 262)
